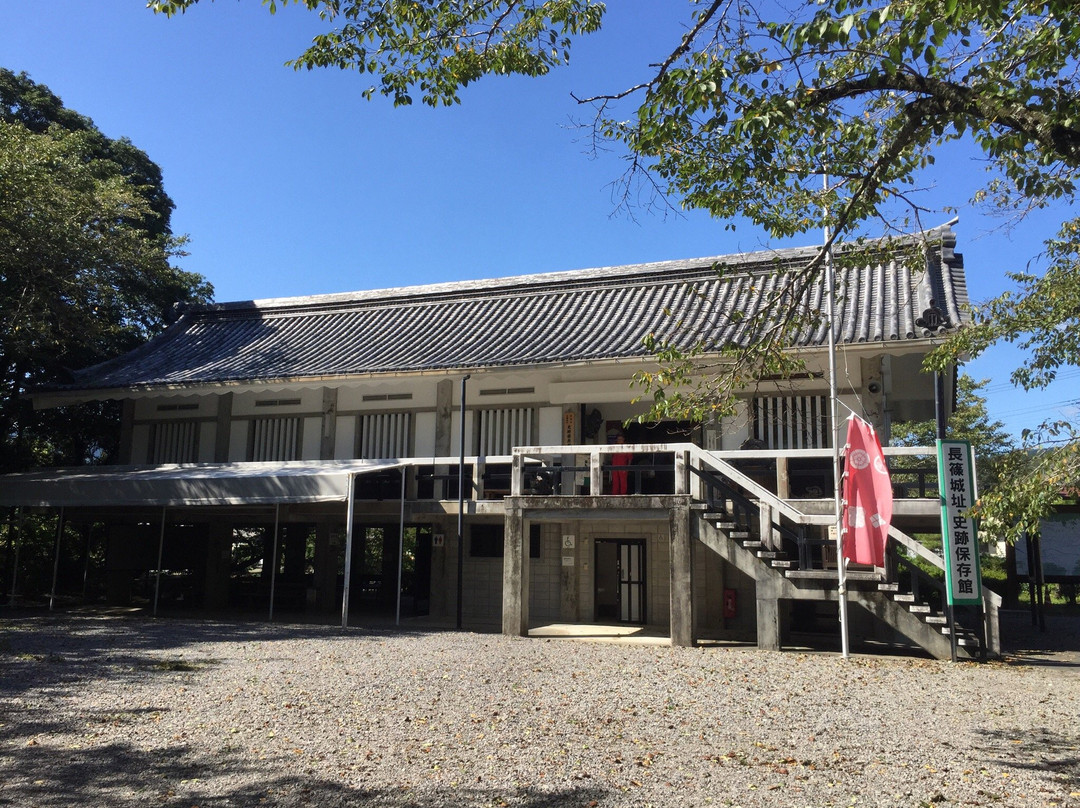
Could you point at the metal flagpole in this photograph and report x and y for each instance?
(841, 572)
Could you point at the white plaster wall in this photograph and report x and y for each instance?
(310, 402)
(147, 408)
(312, 439)
(238, 441)
(140, 443)
(550, 423)
(455, 431)
(345, 437)
(424, 434)
(422, 390)
(207, 439)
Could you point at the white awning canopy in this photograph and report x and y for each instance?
(195, 484)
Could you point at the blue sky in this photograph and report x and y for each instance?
(289, 183)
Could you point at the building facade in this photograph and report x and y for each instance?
(253, 430)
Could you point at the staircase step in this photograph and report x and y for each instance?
(904, 597)
(739, 534)
(936, 619)
(782, 565)
(716, 516)
(961, 634)
(830, 575)
(768, 554)
(752, 545)
(919, 608)
(888, 587)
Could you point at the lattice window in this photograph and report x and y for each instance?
(791, 422)
(501, 430)
(275, 439)
(174, 442)
(384, 435)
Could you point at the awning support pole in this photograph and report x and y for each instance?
(86, 558)
(160, 555)
(17, 526)
(461, 506)
(274, 561)
(56, 558)
(348, 551)
(401, 548)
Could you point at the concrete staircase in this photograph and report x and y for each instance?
(780, 576)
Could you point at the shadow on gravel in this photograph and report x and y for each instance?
(54, 652)
(1026, 644)
(1038, 749)
(119, 775)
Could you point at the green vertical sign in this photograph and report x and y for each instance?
(956, 484)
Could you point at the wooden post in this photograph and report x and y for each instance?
(783, 478)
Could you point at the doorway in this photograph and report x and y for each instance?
(620, 580)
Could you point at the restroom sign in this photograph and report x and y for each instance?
(956, 484)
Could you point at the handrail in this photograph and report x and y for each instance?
(718, 462)
(922, 552)
(825, 454)
(758, 490)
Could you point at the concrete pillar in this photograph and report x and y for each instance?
(515, 614)
(768, 614)
(682, 576)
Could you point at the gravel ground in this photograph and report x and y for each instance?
(110, 711)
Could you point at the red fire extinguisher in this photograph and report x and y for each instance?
(730, 608)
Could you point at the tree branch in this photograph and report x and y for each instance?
(956, 100)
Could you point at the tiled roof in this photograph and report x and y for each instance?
(530, 320)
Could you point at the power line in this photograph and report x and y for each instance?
(997, 387)
(1058, 405)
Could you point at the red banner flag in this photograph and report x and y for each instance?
(867, 490)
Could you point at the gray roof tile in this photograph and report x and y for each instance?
(529, 320)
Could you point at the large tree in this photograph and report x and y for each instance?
(85, 267)
(755, 105)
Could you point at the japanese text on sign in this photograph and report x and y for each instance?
(956, 483)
